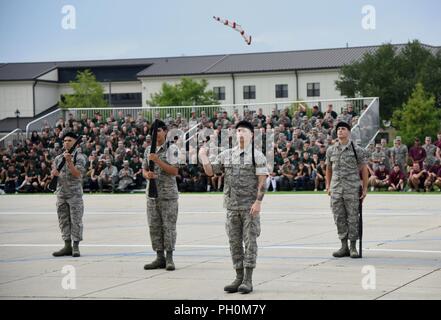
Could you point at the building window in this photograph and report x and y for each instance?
(219, 93)
(249, 92)
(125, 99)
(313, 89)
(281, 91)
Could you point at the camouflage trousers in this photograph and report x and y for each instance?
(70, 217)
(345, 211)
(242, 229)
(162, 216)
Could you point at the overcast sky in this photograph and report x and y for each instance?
(33, 30)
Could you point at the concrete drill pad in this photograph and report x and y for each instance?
(402, 242)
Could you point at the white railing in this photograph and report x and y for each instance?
(241, 108)
(368, 124)
(191, 132)
(13, 137)
(51, 118)
(148, 113)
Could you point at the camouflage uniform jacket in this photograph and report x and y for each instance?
(166, 184)
(68, 185)
(345, 169)
(241, 181)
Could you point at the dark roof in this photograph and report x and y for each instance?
(210, 64)
(25, 71)
(182, 65)
(33, 70)
(105, 63)
(263, 62)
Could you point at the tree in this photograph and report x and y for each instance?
(186, 93)
(418, 118)
(431, 77)
(392, 74)
(88, 92)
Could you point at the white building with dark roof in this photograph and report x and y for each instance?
(36, 88)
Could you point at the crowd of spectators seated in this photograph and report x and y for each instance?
(115, 147)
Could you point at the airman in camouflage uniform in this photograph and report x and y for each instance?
(70, 207)
(162, 212)
(377, 157)
(342, 183)
(305, 126)
(400, 154)
(126, 176)
(244, 188)
(345, 116)
(388, 152)
(430, 153)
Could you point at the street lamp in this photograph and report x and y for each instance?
(17, 115)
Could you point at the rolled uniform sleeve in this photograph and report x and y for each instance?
(173, 156)
(261, 164)
(217, 162)
(80, 164)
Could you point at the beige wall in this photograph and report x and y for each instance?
(16, 95)
(154, 85)
(50, 76)
(265, 85)
(46, 96)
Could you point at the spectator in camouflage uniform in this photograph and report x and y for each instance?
(430, 153)
(162, 212)
(245, 175)
(288, 174)
(388, 153)
(125, 176)
(305, 126)
(400, 154)
(345, 116)
(109, 176)
(342, 184)
(70, 207)
(377, 157)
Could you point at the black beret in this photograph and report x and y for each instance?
(245, 124)
(343, 124)
(160, 124)
(71, 135)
